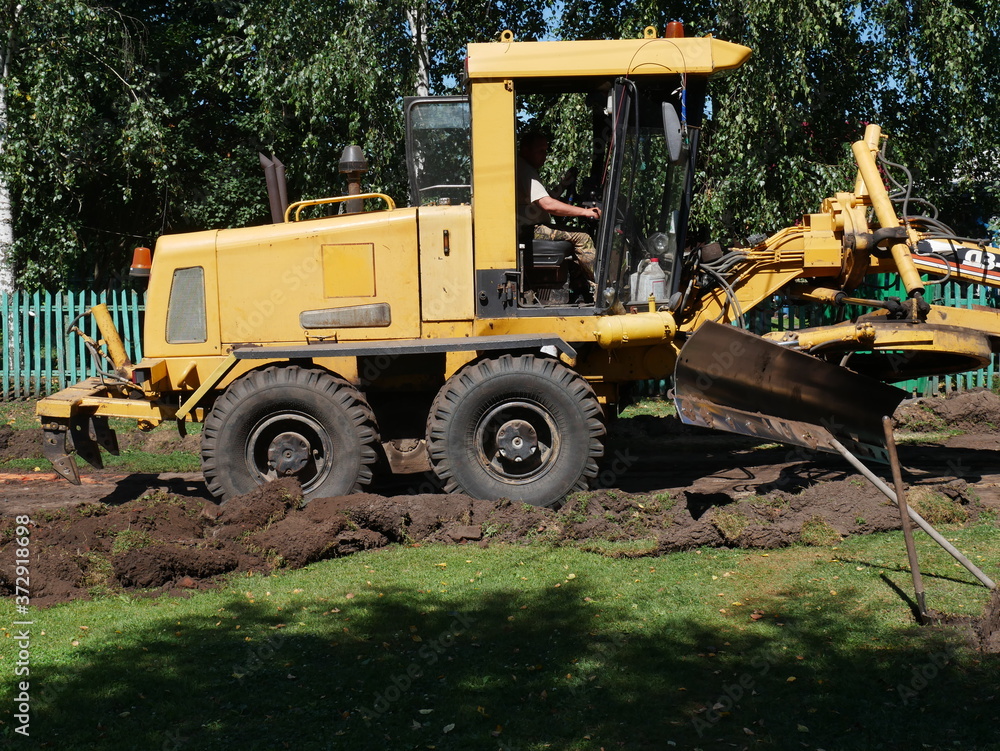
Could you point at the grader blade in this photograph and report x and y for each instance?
(732, 380)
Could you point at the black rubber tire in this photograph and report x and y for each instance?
(469, 414)
(327, 412)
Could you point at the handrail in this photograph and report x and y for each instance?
(299, 205)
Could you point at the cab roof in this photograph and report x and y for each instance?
(634, 57)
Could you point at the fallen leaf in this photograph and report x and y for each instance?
(448, 728)
(790, 679)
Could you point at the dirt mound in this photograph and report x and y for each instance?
(166, 541)
(965, 410)
(19, 444)
(982, 631)
(163, 440)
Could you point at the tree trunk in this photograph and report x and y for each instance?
(6, 212)
(416, 16)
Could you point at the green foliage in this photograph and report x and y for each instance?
(128, 119)
(775, 144)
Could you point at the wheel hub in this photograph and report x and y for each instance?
(517, 440)
(288, 454)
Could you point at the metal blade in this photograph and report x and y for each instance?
(86, 447)
(732, 380)
(56, 450)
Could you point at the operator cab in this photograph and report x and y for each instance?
(633, 143)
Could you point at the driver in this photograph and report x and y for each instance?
(536, 206)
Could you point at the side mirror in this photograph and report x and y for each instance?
(672, 132)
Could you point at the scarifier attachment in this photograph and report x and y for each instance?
(732, 380)
(84, 435)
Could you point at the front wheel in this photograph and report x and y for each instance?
(289, 421)
(524, 428)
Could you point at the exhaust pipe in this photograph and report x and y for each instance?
(277, 187)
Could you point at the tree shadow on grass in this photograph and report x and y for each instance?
(512, 670)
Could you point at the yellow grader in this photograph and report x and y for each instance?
(354, 334)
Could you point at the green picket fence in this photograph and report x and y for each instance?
(40, 357)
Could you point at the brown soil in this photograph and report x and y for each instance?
(667, 488)
(977, 410)
(18, 444)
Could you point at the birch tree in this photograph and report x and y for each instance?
(12, 13)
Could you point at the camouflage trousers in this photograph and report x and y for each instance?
(583, 249)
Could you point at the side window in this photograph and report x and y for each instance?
(186, 320)
(439, 150)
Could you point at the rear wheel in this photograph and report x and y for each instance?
(289, 421)
(525, 428)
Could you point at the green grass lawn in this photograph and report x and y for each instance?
(433, 647)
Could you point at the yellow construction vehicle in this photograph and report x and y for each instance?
(440, 336)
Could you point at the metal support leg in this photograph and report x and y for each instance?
(920, 521)
(904, 519)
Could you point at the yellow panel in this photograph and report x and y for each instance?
(494, 202)
(605, 57)
(571, 329)
(446, 274)
(269, 275)
(349, 270)
(177, 252)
